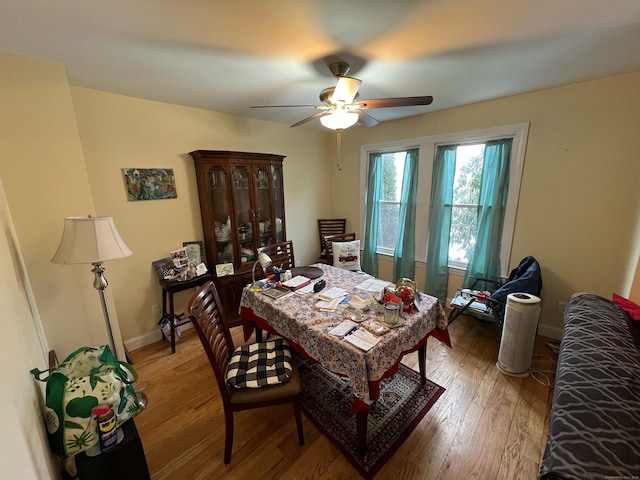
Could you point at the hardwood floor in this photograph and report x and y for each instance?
(486, 426)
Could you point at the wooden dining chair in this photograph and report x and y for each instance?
(240, 389)
(328, 242)
(281, 255)
(330, 226)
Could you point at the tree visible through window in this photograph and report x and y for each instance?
(392, 172)
(466, 197)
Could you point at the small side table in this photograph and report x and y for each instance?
(169, 287)
(125, 462)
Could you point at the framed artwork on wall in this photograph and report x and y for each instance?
(149, 183)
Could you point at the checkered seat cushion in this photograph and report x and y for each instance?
(260, 364)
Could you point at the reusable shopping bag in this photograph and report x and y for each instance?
(87, 377)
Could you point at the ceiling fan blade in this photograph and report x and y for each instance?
(308, 119)
(346, 89)
(394, 102)
(365, 119)
(288, 106)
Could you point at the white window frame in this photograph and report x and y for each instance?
(427, 148)
(384, 250)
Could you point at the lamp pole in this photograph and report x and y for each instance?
(100, 283)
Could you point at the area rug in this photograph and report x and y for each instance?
(327, 400)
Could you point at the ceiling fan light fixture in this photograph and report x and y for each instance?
(346, 90)
(339, 119)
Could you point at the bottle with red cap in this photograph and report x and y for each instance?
(106, 421)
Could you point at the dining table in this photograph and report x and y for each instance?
(298, 318)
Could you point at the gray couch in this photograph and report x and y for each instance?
(594, 429)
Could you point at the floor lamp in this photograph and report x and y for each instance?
(93, 240)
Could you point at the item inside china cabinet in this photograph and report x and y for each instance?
(223, 230)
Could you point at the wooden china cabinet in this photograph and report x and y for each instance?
(242, 208)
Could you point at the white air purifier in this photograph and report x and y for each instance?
(518, 334)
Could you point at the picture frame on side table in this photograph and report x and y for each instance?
(164, 268)
(195, 251)
(180, 258)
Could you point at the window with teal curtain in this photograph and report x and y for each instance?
(369, 262)
(444, 166)
(485, 259)
(404, 254)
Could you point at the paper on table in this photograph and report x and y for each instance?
(305, 289)
(329, 305)
(362, 339)
(343, 328)
(373, 285)
(296, 282)
(333, 292)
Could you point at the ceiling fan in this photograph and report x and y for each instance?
(340, 107)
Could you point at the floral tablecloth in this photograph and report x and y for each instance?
(296, 318)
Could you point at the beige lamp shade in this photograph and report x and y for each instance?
(90, 240)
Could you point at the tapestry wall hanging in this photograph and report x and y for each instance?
(150, 183)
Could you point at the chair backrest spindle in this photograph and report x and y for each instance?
(330, 226)
(281, 255)
(208, 320)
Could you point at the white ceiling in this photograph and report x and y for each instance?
(229, 55)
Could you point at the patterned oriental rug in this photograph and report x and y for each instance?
(327, 401)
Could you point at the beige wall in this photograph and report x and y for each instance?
(61, 153)
(23, 445)
(45, 180)
(634, 294)
(579, 199)
(119, 132)
(29, 119)
(579, 185)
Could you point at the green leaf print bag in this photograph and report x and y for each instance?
(87, 377)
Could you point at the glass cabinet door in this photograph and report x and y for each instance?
(278, 206)
(263, 206)
(243, 214)
(222, 222)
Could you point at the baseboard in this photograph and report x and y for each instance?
(149, 338)
(549, 331)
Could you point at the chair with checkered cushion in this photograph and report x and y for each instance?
(251, 376)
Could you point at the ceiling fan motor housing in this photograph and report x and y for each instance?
(339, 69)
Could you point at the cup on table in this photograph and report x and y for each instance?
(391, 313)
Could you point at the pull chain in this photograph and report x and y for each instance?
(338, 147)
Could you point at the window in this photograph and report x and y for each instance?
(392, 171)
(465, 208)
(466, 197)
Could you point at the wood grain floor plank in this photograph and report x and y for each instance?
(485, 425)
